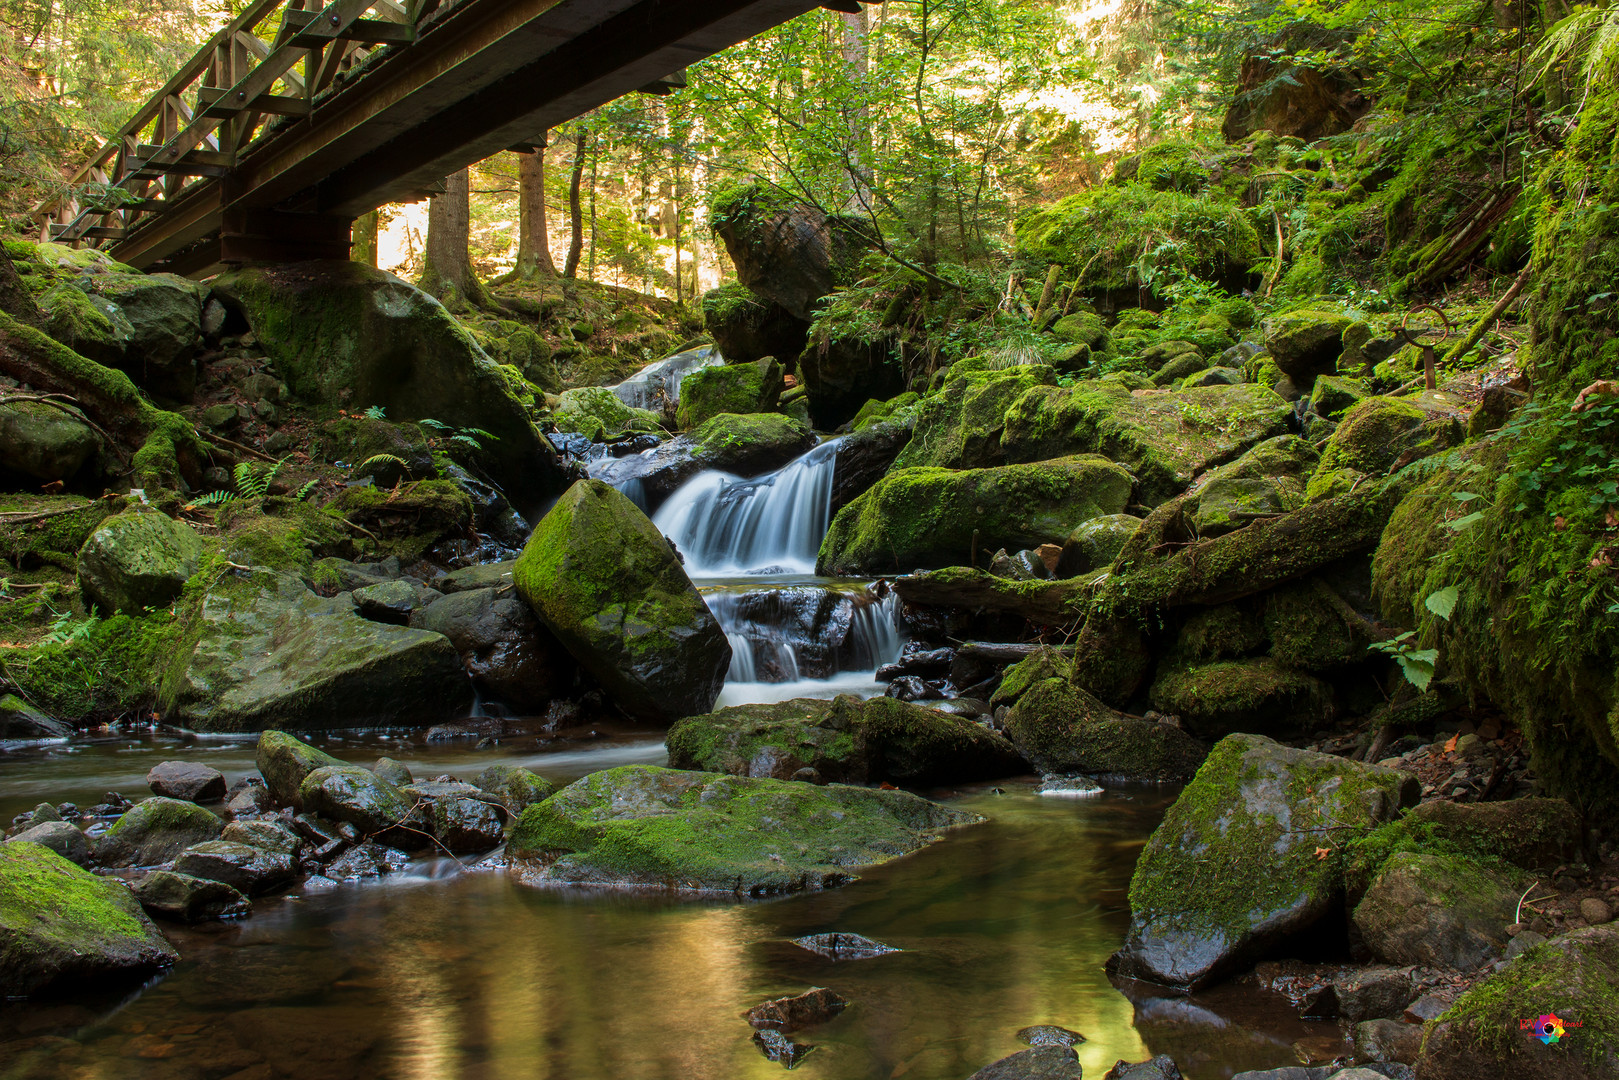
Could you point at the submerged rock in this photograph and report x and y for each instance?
(846, 740)
(1041, 1063)
(136, 560)
(1162, 1067)
(1245, 859)
(837, 946)
(183, 898)
(154, 831)
(266, 651)
(599, 574)
(814, 1006)
(61, 926)
(639, 825)
(778, 1047)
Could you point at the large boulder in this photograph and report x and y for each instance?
(1437, 911)
(729, 388)
(609, 586)
(1251, 854)
(345, 334)
(960, 426)
(1277, 94)
(20, 720)
(66, 840)
(842, 373)
(863, 458)
(1307, 342)
(265, 652)
(599, 414)
(783, 250)
(147, 325)
(846, 740)
(42, 441)
(512, 658)
(747, 327)
(1571, 978)
(1377, 435)
(62, 927)
(284, 761)
(187, 899)
(154, 831)
(928, 517)
(639, 825)
(1061, 728)
(1167, 438)
(136, 560)
(739, 444)
(1256, 696)
(247, 869)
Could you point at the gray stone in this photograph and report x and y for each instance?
(349, 793)
(483, 576)
(1388, 1040)
(61, 926)
(462, 818)
(186, 780)
(154, 831)
(511, 657)
(64, 839)
(274, 836)
(1162, 1067)
(392, 771)
(136, 560)
(43, 441)
(1373, 993)
(1595, 911)
(1522, 943)
(284, 761)
(1041, 1063)
(516, 787)
(188, 899)
(390, 601)
(1049, 1035)
(1437, 910)
(20, 720)
(245, 868)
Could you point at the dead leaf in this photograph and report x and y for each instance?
(1450, 743)
(1321, 853)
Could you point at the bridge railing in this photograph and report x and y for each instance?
(271, 60)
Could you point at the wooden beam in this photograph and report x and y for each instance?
(217, 101)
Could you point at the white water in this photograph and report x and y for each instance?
(726, 525)
(649, 387)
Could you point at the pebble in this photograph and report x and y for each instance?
(1595, 912)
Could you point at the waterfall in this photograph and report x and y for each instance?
(659, 382)
(772, 524)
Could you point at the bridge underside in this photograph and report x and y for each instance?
(479, 77)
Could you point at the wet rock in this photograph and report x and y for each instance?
(186, 780)
(847, 740)
(154, 831)
(484, 576)
(863, 458)
(462, 818)
(349, 793)
(1041, 1063)
(19, 720)
(1238, 866)
(183, 898)
(269, 652)
(247, 798)
(516, 787)
(1388, 1040)
(639, 825)
(808, 1009)
(136, 560)
(1437, 910)
(1060, 728)
(511, 656)
(1095, 544)
(1257, 695)
(598, 414)
(1427, 1007)
(742, 445)
(275, 836)
(1371, 1071)
(778, 1047)
(61, 926)
(1373, 993)
(394, 772)
(249, 870)
(365, 861)
(603, 579)
(1068, 787)
(836, 946)
(737, 389)
(42, 441)
(1162, 1067)
(1534, 833)
(285, 761)
(918, 661)
(1049, 1035)
(64, 839)
(390, 601)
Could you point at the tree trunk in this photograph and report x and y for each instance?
(447, 272)
(533, 235)
(364, 236)
(15, 299)
(576, 215)
(856, 66)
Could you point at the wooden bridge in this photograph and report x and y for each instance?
(295, 119)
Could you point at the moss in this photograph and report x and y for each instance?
(729, 388)
(1222, 632)
(108, 669)
(928, 517)
(1082, 328)
(1255, 695)
(960, 426)
(599, 414)
(289, 537)
(725, 435)
(1037, 667)
(1307, 630)
(1375, 435)
(1530, 834)
(1062, 728)
(53, 540)
(874, 411)
(408, 520)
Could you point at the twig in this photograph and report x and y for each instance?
(70, 405)
(238, 447)
(20, 519)
(358, 528)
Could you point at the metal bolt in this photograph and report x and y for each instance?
(334, 20)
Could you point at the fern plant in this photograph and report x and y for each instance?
(465, 436)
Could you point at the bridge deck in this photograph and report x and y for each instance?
(292, 121)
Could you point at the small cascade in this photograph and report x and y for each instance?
(772, 524)
(658, 384)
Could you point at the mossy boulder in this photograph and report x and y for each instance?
(960, 426)
(601, 576)
(250, 870)
(928, 517)
(1334, 395)
(154, 831)
(1256, 696)
(1377, 435)
(284, 761)
(1307, 630)
(1166, 438)
(1228, 503)
(1095, 544)
(699, 832)
(1570, 977)
(743, 445)
(599, 414)
(1532, 833)
(747, 327)
(137, 560)
(356, 795)
(1438, 911)
(63, 928)
(1061, 728)
(188, 899)
(345, 334)
(20, 720)
(263, 651)
(1251, 854)
(729, 388)
(43, 442)
(147, 325)
(1082, 328)
(1307, 342)
(516, 787)
(1222, 632)
(847, 740)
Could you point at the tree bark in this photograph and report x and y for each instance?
(576, 246)
(533, 234)
(364, 235)
(15, 299)
(447, 271)
(856, 66)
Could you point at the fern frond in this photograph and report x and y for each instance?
(436, 425)
(376, 412)
(305, 491)
(380, 459)
(467, 440)
(213, 498)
